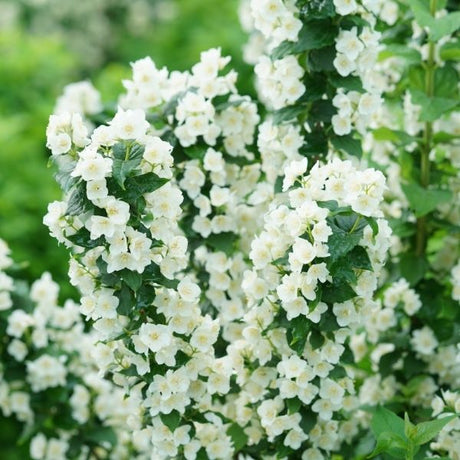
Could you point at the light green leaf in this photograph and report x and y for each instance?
(432, 107)
(422, 201)
(426, 431)
(385, 441)
(386, 421)
(445, 26)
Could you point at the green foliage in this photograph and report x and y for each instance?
(401, 439)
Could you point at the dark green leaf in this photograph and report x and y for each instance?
(101, 435)
(293, 405)
(171, 420)
(316, 339)
(387, 362)
(348, 144)
(412, 267)
(313, 35)
(350, 83)
(132, 278)
(224, 242)
(287, 113)
(82, 238)
(126, 300)
(78, 201)
(297, 333)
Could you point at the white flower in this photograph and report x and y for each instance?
(129, 124)
(155, 336)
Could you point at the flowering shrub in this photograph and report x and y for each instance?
(262, 285)
(49, 379)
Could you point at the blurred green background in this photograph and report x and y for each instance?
(46, 44)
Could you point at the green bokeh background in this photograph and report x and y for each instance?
(34, 68)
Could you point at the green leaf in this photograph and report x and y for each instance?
(445, 82)
(293, 405)
(450, 51)
(348, 144)
(386, 421)
(126, 300)
(171, 420)
(432, 107)
(384, 441)
(350, 83)
(82, 238)
(238, 436)
(422, 201)
(224, 242)
(426, 431)
(409, 427)
(387, 362)
(101, 435)
(410, 55)
(321, 60)
(78, 201)
(297, 333)
(132, 278)
(145, 183)
(421, 11)
(316, 339)
(287, 113)
(341, 243)
(445, 25)
(195, 152)
(397, 137)
(121, 169)
(313, 35)
(412, 267)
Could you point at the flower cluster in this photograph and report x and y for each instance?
(49, 379)
(301, 311)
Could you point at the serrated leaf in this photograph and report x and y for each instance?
(426, 431)
(238, 436)
(422, 201)
(341, 244)
(145, 183)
